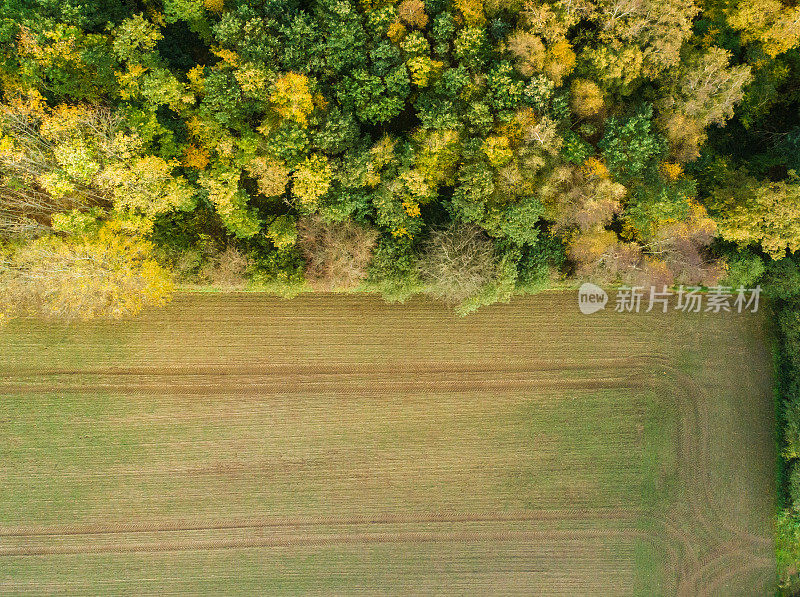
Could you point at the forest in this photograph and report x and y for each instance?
(469, 150)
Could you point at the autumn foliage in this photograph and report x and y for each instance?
(306, 141)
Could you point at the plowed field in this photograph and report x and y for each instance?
(337, 444)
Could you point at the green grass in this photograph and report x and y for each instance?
(649, 573)
(336, 444)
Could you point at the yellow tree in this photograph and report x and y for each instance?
(105, 274)
(79, 157)
(775, 24)
(751, 212)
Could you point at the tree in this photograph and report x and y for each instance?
(459, 264)
(230, 201)
(252, 124)
(106, 274)
(658, 28)
(311, 181)
(586, 98)
(412, 13)
(706, 88)
(752, 212)
(630, 145)
(772, 23)
(337, 254)
(79, 157)
(584, 198)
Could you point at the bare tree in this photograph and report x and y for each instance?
(337, 254)
(458, 262)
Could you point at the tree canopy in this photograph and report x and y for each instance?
(595, 127)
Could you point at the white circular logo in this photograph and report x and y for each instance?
(591, 298)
